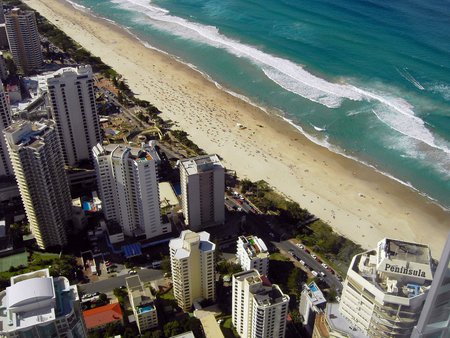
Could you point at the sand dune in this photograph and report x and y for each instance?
(358, 202)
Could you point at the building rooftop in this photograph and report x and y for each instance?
(27, 134)
(264, 295)
(140, 297)
(143, 154)
(270, 295)
(198, 164)
(34, 298)
(254, 246)
(314, 294)
(187, 238)
(102, 315)
(396, 267)
(338, 323)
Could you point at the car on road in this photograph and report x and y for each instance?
(314, 273)
(322, 273)
(302, 262)
(325, 266)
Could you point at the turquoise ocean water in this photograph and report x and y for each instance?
(366, 78)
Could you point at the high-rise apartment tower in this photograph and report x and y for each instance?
(192, 259)
(23, 39)
(38, 165)
(5, 121)
(259, 309)
(127, 180)
(72, 101)
(202, 191)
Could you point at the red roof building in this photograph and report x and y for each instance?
(99, 317)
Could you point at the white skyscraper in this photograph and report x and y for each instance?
(385, 289)
(38, 165)
(5, 121)
(39, 305)
(23, 39)
(252, 253)
(434, 321)
(192, 259)
(128, 186)
(202, 191)
(72, 101)
(259, 310)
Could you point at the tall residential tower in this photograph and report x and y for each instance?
(127, 180)
(23, 39)
(259, 309)
(38, 166)
(192, 258)
(202, 191)
(74, 111)
(385, 289)
(5, 121)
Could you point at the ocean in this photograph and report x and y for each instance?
(365, 78)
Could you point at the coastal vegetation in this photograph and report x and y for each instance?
(58, 266)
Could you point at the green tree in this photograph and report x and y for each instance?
(165, 264)
(172, 328)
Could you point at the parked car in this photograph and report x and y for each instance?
(314, 273)
(132, 272)
(301, 246)
(325, 266)
(313, 256)
(302, 262)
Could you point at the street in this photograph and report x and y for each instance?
(330, 278)
(108, 285)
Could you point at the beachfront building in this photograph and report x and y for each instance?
(5, 121)
(259, 309)
(385, 289)
(143, 304)
(192, 261)
(38, 165)
(127, 179)
(312, 302)
(252, 253)
(23, 39)
(202, 191)
(72, 102)
(39, 305)
(434, 319)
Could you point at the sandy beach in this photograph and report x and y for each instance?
(358, 202)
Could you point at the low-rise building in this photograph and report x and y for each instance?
(99, 317)
(39, 305)
(252, 253)
(386, 288)
(142, 303)
(312, 302)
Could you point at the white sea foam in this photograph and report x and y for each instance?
(441, 88)
(398, 113)
(78, 6)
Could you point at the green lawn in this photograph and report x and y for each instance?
(14, 260)
(276, 256)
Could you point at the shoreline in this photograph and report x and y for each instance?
(357, 201)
